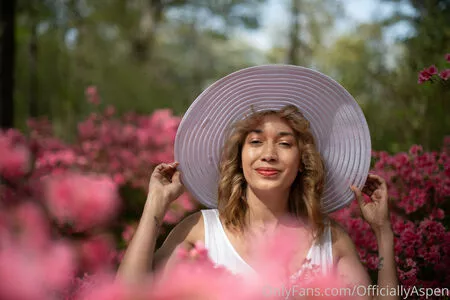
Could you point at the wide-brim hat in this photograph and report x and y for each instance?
(337, 123)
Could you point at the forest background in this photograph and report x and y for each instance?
(144, 55)
(97, 88)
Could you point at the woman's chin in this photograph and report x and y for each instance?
(269, 187)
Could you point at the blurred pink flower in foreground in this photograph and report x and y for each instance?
(97, 253)
(14, 159)
(31, 222)
(84, 201)
(192, 275)
(447, 57)
(31, 265)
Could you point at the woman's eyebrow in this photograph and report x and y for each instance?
(280, 134)
(285, 133)
(256, 131)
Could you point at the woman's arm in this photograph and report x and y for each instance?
(165, 186)
(349, 268)
(351, 271)
(376, 213)
(140, 257)
(387, 270)
(139, 254)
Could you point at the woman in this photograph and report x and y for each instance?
(270, 169)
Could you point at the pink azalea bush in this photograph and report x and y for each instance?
(194, 276)
(124, 149)
(32, 264)
(67, 211)
(419, 190)
(83, 201)
(14, 156)
(85, 196)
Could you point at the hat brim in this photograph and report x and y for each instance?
(337, 123)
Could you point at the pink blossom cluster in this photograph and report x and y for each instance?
(92, 95)
(14, 155)
(32, 265)
(80, 188)
(59, 205)
(84, 201)
(427, 73)
(194, 276)
(36, 266)
(126, 149)
(419, 190)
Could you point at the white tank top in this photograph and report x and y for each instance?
(222, 252)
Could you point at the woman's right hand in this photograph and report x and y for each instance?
(165, 183)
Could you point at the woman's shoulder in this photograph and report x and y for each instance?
(188, 231)
(194, 224)
(341, 240)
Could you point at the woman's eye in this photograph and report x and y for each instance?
(285, 144)
(255, 142)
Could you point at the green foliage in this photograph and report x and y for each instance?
(83, 43)
(144, 55)
(420, 112)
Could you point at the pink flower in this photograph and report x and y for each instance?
(59, 264)
(432, 70)
(14, 159)
(119, 179)
(171, 217)
(426, 74)
(423, 76)
(128, 232)
(103, 287)
(92, 95)
(96, 253)
(185, 202)
(82, 200)
(110, 111)
(438, 214)
(34, 228)
(19, 277)
(445, 74)
(447, 57)
(28, 274)
(415, 149)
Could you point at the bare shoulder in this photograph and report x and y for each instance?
(190, 229)
(342, 243)
(194, 222)
(346, 257)
(184, 234)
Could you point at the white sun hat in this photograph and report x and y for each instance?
(337, 123)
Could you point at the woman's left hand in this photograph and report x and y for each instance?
(375, 212)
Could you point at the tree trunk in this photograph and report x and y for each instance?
(7, 53)
(150, 17)
(294, 42)
(34, 82)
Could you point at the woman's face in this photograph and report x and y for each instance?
(271, 156)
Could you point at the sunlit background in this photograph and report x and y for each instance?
(143, 55)
(92, 93)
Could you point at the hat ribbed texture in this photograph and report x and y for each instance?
(337, 123)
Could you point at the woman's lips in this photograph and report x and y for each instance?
(267, 172)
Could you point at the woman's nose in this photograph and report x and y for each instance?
(269, 153)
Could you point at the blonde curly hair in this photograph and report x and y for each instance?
(306, 190)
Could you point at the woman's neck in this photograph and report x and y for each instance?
(266, 209)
